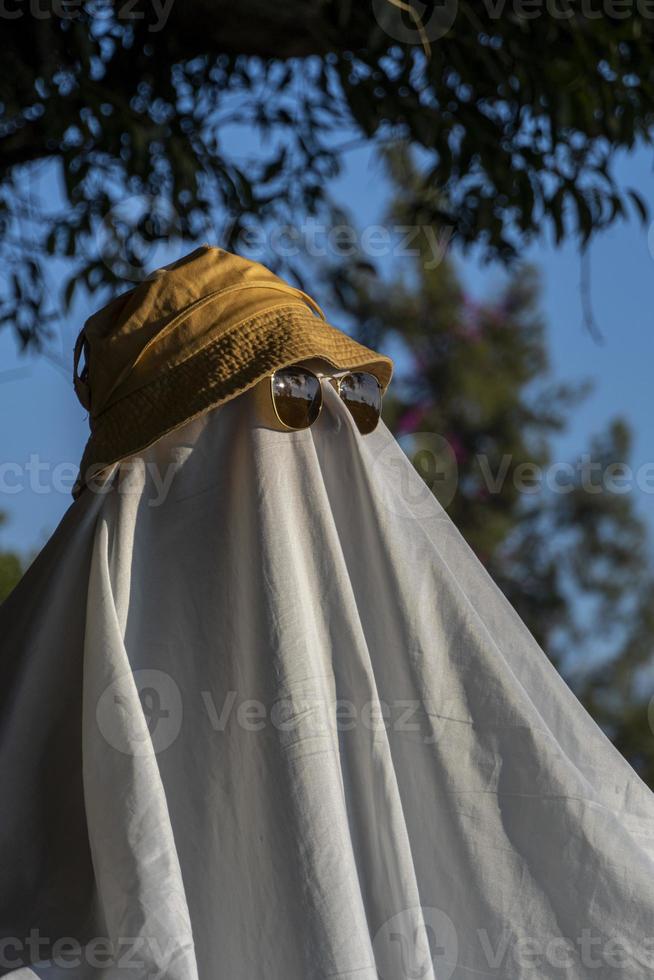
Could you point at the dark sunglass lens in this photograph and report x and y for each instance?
(297, 396)
(361, 393)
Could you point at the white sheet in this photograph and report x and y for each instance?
(192, 760)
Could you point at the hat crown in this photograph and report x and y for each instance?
(136, 327)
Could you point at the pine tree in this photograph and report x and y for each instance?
(475, 406)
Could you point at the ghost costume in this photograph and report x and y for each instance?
(265, 715)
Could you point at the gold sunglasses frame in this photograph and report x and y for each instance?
(335, 380)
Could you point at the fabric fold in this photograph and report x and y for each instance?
(267, 715)
(137, 874)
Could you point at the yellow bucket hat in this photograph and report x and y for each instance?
(191, 336)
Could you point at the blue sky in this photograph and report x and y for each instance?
(42, 418)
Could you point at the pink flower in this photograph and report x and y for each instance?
(411, 420)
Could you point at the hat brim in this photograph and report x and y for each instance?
(226, 367)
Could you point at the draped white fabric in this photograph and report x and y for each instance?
(264, 715)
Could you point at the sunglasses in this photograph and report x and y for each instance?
(292, 399)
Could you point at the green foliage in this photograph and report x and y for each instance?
(517, 117)
(474, 404)
(11, 569)
(11, 572)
